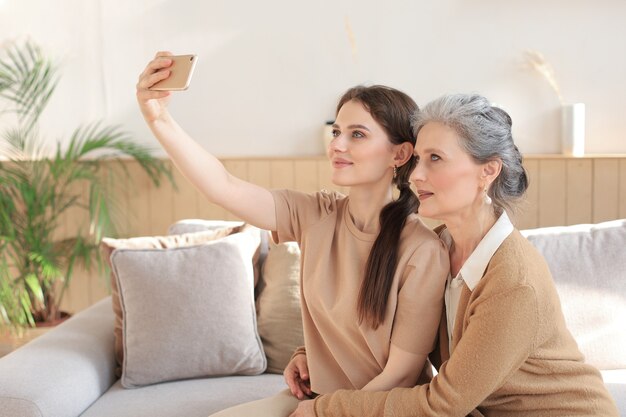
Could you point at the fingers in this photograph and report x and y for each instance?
(297, 377)
(294, 387)
(305, 387)
(302, 374)
(293, 381)
(147, 81)
(303, 368)
(154, 72)
(155, 67)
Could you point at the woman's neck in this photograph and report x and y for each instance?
(365, 205)
(467, 232)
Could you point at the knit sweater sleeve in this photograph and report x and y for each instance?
(499, 335)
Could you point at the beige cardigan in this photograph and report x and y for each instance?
(513, 355)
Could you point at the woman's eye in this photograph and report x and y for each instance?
(434, 157)
(335, 133)
(357, 134)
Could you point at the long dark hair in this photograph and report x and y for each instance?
(392, 109)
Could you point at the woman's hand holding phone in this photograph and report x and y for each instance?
(153, 103)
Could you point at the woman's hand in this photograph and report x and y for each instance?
(305, 409)
(297, 377)
(153, 104)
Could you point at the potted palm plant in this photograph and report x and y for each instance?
(38, 185)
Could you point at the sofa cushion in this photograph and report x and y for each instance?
(108, 245)
(188, 311)
(190, 398)
(278, 305)
(588, 264)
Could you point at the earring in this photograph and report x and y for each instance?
(395, 172)
(486, 199)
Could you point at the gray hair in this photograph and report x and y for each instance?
(485, 131)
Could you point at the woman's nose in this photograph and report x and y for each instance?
(338, 144)
(417, 174)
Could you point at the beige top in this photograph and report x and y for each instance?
(513, 355)
(342, 353)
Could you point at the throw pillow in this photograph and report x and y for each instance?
(278, 305)
(588, 263)
(108, 245)
(188, 311)
(200, 225)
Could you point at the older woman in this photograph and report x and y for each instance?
(503, 343)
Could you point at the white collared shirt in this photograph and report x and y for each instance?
(474, 267)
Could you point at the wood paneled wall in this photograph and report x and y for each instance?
(563, 191)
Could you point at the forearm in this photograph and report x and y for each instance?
(401, 370)
(250, 202)
(200, 167)
(386, 382)
(345, 403)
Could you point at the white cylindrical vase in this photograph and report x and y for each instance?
(573, 129)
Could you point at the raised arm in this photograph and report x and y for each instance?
(250, 202)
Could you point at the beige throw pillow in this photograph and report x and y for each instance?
(278, 305)
(188, 311)
(108, 245)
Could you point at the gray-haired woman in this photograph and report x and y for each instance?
(504, 349)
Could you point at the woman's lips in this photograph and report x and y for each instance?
(341, 163)
(423, 195)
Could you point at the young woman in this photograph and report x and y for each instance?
(503, 341)
(373, 274)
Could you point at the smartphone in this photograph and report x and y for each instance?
(180, 76)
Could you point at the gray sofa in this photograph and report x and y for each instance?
(69, 371)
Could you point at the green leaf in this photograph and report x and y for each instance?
(35, 288)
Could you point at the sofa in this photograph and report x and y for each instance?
(74, 370)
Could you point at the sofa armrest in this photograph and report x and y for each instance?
(62, 372)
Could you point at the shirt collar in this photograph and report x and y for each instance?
(472, 270)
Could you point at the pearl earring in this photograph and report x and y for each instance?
(395, 172)
(486, 199)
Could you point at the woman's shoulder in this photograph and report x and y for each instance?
(417, 231)
(517, 262)
(324, 200)
(418, 237)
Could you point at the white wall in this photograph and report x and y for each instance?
(271, 71)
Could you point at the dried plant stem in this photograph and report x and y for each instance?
(538, 63)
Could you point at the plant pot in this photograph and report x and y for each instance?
(9, 341)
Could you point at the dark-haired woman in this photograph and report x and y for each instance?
(372, 273)
(503, 344)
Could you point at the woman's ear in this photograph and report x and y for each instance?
(491, 170)
(403, 153)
